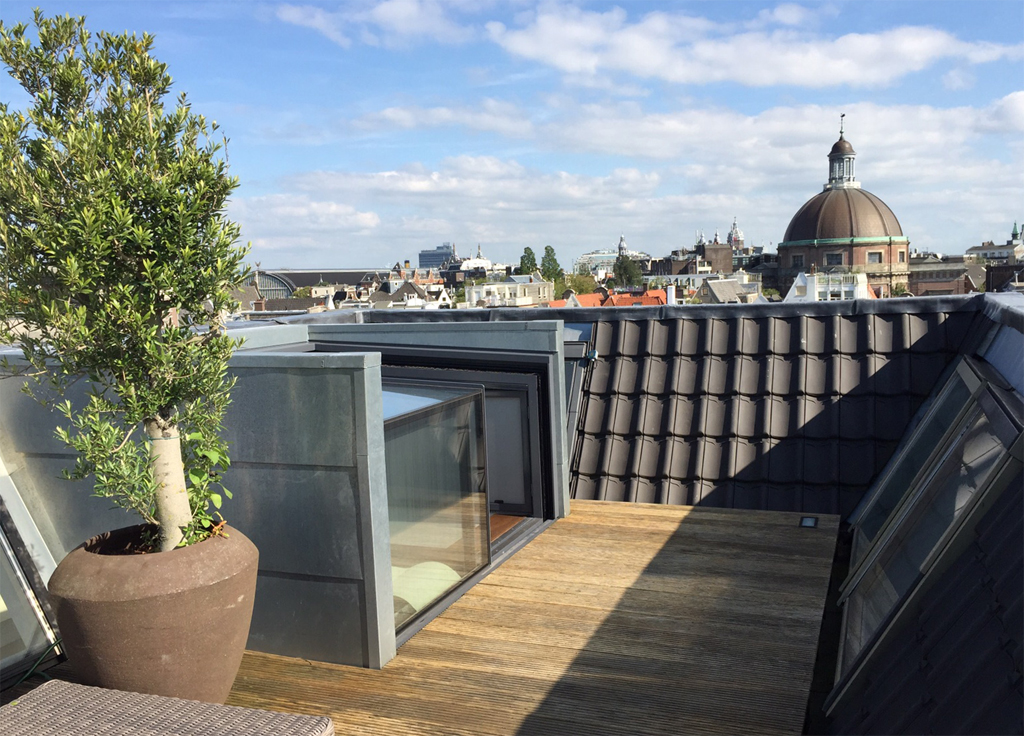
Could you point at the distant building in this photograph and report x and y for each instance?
(514, 291)
(600, 263)
(933, 274)
(845, 228)
(829, 287)
(743, 288)
(1012, 251)
(437, 257)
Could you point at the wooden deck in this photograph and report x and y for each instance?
(620, 619)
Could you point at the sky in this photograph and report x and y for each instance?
(364, 132)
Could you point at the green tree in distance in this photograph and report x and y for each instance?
(117, 265)
(549, 267)
(627, 271)
(527, 262)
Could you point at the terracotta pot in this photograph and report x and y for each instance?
(168, 623)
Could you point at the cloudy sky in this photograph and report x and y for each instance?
(363, 132)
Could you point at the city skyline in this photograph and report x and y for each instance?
(364, 132)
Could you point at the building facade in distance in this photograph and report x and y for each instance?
(847, 229)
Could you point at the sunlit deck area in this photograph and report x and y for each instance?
(621, 618)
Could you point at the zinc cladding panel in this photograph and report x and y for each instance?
(824, 398)
(955, 666)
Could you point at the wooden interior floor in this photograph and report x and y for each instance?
(502, 523)
(620, 619)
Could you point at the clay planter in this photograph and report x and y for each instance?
(168, 623)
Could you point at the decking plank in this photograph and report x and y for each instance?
(622, 618)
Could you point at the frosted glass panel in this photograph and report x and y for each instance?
(21, 636)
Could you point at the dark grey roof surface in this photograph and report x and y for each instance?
(725, 291)
(956, 666)
(789, 413)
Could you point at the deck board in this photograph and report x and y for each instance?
(620, 619)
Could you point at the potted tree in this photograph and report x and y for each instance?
(117, 264)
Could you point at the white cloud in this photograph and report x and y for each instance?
(386, 23)
(491, 115)
(683, 49)
(308, 16)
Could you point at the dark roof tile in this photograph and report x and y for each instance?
(714, 412)
(751, 375)
(627, 378)
(786, 337)
(709, 494)
(819, 500)
(619, 416)
(657, 377)
(648, 459)
(586, 488)
(716, 375)
(604, 332)
(892, 415)
(748, 461)
(926, 332)
(855, 377)
(684, 423)
(658, 334)
(785, 497)
(611, 489)
(642, 490)
(925, 369)
(597, 409)
(749, 495)
(784, 374)
(691, 338)
(600, 378)
(856, 417)
(723, 335)
(821, 416)
(819, 376)
(747, 416)
(683, 374)
(590, 455)
(886, 333)
(616, 457)
(821, 462)
(854, 335)
(755, 335)
(653, 417)
(684, 460)
(857, 461)
(673, 492)
(784, 417)
(892, 374)
(714, 461)
(785, 461)
(630, 339)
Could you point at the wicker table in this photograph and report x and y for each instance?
(64, 709)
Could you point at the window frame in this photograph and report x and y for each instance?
(842, 259)
(872, 253)
(793, 260)
(1003, 407)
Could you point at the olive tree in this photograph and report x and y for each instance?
(117, 266)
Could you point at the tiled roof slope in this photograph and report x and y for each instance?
(956, 667)
(789, 412)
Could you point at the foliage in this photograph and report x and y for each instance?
(117, 263)
(627, 271)
(527, 262)
(303, 292)
(580, 283)
(769, 292)
(899, 288)
(549, 267)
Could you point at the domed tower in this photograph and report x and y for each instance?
(847, 229)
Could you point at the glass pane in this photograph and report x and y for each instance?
(21, 636)
(437, 502)
(966, 469)
(908, 463)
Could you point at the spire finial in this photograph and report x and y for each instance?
(841, 123)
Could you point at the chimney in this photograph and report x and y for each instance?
(407, 264)
(670, 294)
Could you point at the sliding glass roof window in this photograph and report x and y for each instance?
(905, 534)
(437, 491)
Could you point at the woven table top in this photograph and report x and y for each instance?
(61, 708)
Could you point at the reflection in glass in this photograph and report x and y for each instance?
(967, 468)
(21, 635)
(895, 484)
(437, 499)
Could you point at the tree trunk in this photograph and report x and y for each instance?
(172, 508)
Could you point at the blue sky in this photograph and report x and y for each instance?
(363, 132)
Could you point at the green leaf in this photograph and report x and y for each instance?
(216, 499)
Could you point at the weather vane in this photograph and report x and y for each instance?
(841, 121)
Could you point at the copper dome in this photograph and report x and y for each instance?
(841, 147)
(843, 213)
